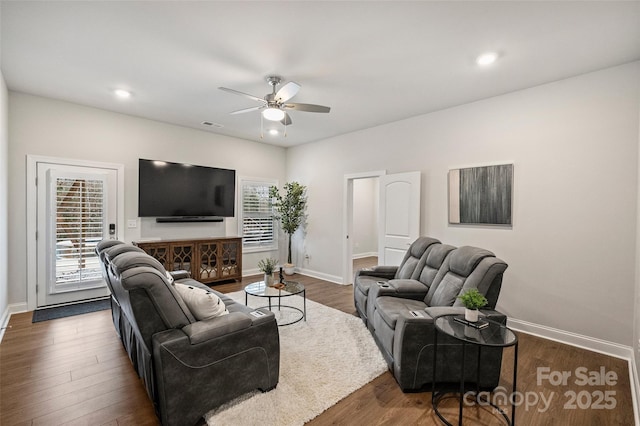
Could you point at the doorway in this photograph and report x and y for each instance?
(397, 216)
(361, 215)
(71, 206)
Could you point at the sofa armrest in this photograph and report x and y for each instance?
(215, 327)
(413, 351)
(191, 379)
(491, 314)
(388, 272)
(179, 275)
(413, 288)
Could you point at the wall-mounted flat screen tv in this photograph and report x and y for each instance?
(168, 189)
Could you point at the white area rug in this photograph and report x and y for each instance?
(322, 361)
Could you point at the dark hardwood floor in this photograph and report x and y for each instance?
(75, 371)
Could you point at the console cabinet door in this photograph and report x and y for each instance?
(208, 268)
(182, 257)
(231, 258)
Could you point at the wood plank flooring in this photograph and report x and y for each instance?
(74, 371)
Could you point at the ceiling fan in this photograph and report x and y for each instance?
(274, 104)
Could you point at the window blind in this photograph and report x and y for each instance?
(257, 215)
(79, 224)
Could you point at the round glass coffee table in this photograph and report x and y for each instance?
(290, 288)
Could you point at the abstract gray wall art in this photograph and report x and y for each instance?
(481, 195)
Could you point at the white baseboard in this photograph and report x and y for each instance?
(250, 272)
(320, 275)
(369, 254)
(635, 389)
(585, 342)
(14, 308)
(308, 272)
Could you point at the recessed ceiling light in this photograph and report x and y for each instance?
(273, 132)
(487, 58)
(122, 94)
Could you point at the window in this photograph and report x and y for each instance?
(79, 224)
(256, 215)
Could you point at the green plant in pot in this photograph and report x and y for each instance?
(268, 266)
(290, 211)
(472, 300)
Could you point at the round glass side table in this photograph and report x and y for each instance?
(486, 333)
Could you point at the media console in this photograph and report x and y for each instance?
(207, 259)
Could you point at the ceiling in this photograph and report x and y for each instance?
(372, 62)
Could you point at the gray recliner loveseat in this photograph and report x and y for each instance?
(406, 339)
(188, 366)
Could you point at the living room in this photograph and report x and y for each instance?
(573, 141)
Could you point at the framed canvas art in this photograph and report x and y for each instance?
(481, 195)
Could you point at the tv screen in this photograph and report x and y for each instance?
(183, 190)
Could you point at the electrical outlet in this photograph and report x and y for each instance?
(132, 223)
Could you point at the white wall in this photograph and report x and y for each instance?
(365, 217)
(4, 190)
(47, 127)
(574, 143)
(636, 322)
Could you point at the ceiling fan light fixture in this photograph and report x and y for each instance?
(273, 114)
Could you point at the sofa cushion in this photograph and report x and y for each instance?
(203, 304)
(389, 308)
(447, 291)
(407, 268)
(434, 260)
(464, 260)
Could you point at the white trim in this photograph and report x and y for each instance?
(347, 221)
(321, 276)
(307, 272)
(14, 308)
(362, 255)
(573, 339)
(31, 198)
(635, 388)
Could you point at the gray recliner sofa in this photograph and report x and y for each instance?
(409, 268)
(188, 366)
(406, 341)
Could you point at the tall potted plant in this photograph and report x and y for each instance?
(290, 211)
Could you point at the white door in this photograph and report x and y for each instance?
(399, 221)
(76, 208)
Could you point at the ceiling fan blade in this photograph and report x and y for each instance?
(246, 95)
(286, 120)
(287, 92)
(242, 111)
(307, 107)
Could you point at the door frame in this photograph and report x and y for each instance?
(347, 220)
(31, 212)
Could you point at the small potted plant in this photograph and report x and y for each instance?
(268, 266)
(472, 300)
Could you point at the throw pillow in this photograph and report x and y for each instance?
(203, 304)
